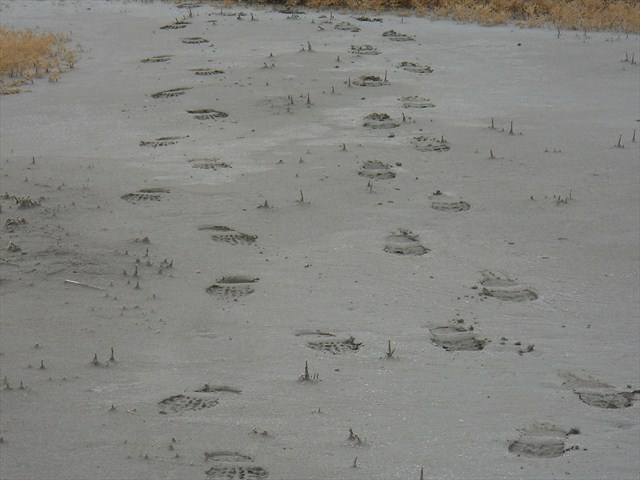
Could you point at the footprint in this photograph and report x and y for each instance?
(456, 337)
(379, 121)
(226, 456)
(541, 440)
(503, 288)
(430, 144)
(174, 26)
(194, 40)
(160, 142)
(151, 193)
(220, 233)
(232, 287)
(207, 114)
(173, 92)
(349, 27)
(237, 472)
(415, 67)
(448, 203)
(364, 50)
(181, 403)
(404, 242)
(335, 346)
(206, 71)
(596, 393)
(376, 169)
(370, 81)
(397, 37)
(416, 102)
(208, 163)
(157, 59)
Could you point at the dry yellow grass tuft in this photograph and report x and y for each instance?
(25, 55)
(616, 15)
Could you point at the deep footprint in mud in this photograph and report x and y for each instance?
(599, 394)
(194, 40)
(207, 114)
(335, 347)
(157, 59)
(541, 440)
(173, 92)
(448, 203)
(208, 163)
(379, 121)
(364, 50)
(145, 194)
(500, 286)
(397, 37)
(174, 26)
(404, 242)
(346, 26)
(415, 67)
(371, 81)
(236, 472)
(457, 337)
(182, 403)
(160, 142)
(226, 456)
(416, 102)
(221, 233)
(206, 71)
(232, 287)
(376, 169)
(430, 144)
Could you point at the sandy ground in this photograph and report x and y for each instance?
(502, 266)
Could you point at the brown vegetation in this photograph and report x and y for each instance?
(25, 55)
(617, 15)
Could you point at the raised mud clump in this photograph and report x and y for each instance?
(416, 102)
(173, 92)
(364, 50)
(415, 67)
(371, 81)
(194, 40)
(430, 144)
(404, 242)
(448, 203)
(221, 233)
(397, 37)
(379, 121)
(208, 163)
(157, 59)
(232, 287)
(456, 337)
(207, 71)
(207, 114)
(335, 347)
(376, 169)
(541, 440)
(503, 288)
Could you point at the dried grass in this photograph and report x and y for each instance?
(25, 55)
(616, 15)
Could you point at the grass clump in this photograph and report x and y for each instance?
(25, 55)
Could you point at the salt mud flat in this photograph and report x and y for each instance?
(445, 234)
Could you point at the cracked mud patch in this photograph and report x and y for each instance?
(221, 233)
(335, 347)
(232, 287)
(173, 92)
(430, 144)
(503, 288)
(404, 242)
(379, 121)
(207, 114)
(376, 169)
(181, 403)
(145, 194)
(541, 440)
(457, 337)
